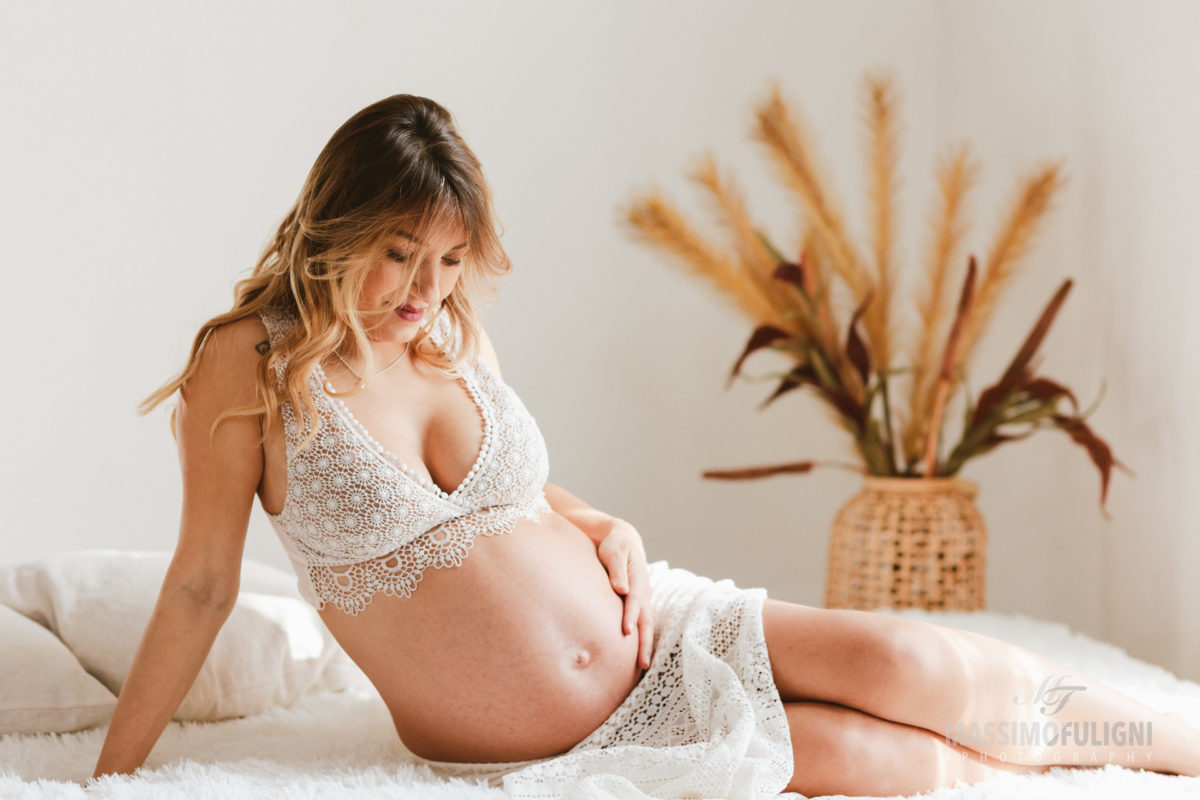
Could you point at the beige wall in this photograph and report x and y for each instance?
(1110, 86)
(154, 151)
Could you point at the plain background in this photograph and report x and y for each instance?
(149, 150)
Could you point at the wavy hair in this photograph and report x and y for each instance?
(398, 163)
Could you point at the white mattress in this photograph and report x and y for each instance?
(343, 744)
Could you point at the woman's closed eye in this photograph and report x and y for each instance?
(400, 258)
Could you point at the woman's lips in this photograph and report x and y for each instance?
(410, 314)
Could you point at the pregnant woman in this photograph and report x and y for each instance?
(514, 632)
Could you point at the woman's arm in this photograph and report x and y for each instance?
(595, 524)
(220, 478)
(172, 650)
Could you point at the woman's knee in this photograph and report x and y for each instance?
(892, 656)
(841, 656)
(907, 655)
(922, 653)
(826, 747)
(838, 750)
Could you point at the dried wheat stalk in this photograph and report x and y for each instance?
(1031, 204)
(788, 144)
(658, 222)
(881, 145)
(815, 272)
(757, 262)
(956, 175)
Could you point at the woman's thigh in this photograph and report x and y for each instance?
(839, 750)
(853, 658)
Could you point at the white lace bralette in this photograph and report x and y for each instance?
(356, 520)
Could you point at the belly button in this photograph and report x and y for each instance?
(582, 658)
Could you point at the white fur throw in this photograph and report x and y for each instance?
(343, 745)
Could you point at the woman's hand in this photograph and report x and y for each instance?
(622, 554)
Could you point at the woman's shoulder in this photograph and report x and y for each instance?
(227, 365)
(246, 339)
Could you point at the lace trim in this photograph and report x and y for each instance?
(351, 588)
(485, 412)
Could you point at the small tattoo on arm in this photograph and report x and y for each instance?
(262, 347)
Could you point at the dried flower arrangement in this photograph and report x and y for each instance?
(792, 306)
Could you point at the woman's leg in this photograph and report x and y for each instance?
(839, 750)
(993, 697)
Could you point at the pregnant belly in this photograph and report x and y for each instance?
(519, 653)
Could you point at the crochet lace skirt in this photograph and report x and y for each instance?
(705, 720)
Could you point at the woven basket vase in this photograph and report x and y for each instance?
(908, 543)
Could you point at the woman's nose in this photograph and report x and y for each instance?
(427, 284)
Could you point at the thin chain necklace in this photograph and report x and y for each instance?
(377, 374)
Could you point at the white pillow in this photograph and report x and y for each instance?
(43, 689)
(272, 649)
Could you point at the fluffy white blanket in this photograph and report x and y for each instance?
(343, 744)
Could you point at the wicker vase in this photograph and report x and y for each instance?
(908, 543)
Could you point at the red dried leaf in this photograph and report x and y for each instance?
(954, 338)
(800, 375)
(856, 351)
(1034, 340)
(967, 295)
(991, 397)
(792, 273)
(763, 336)
(759, 472)
(1097, 448)
(1046, 389)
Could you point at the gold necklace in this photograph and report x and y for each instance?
(377, 374)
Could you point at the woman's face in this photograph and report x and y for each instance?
(383, 319)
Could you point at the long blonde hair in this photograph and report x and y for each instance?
(399, 162)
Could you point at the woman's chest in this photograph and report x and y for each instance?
(433, 428)
(466, 442)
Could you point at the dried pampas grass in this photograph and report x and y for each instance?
(792, 304)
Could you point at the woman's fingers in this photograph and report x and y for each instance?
(615, 559)
(637, 609)
(638, 598)
(622, 557)
(645, 637)
(619, 575)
